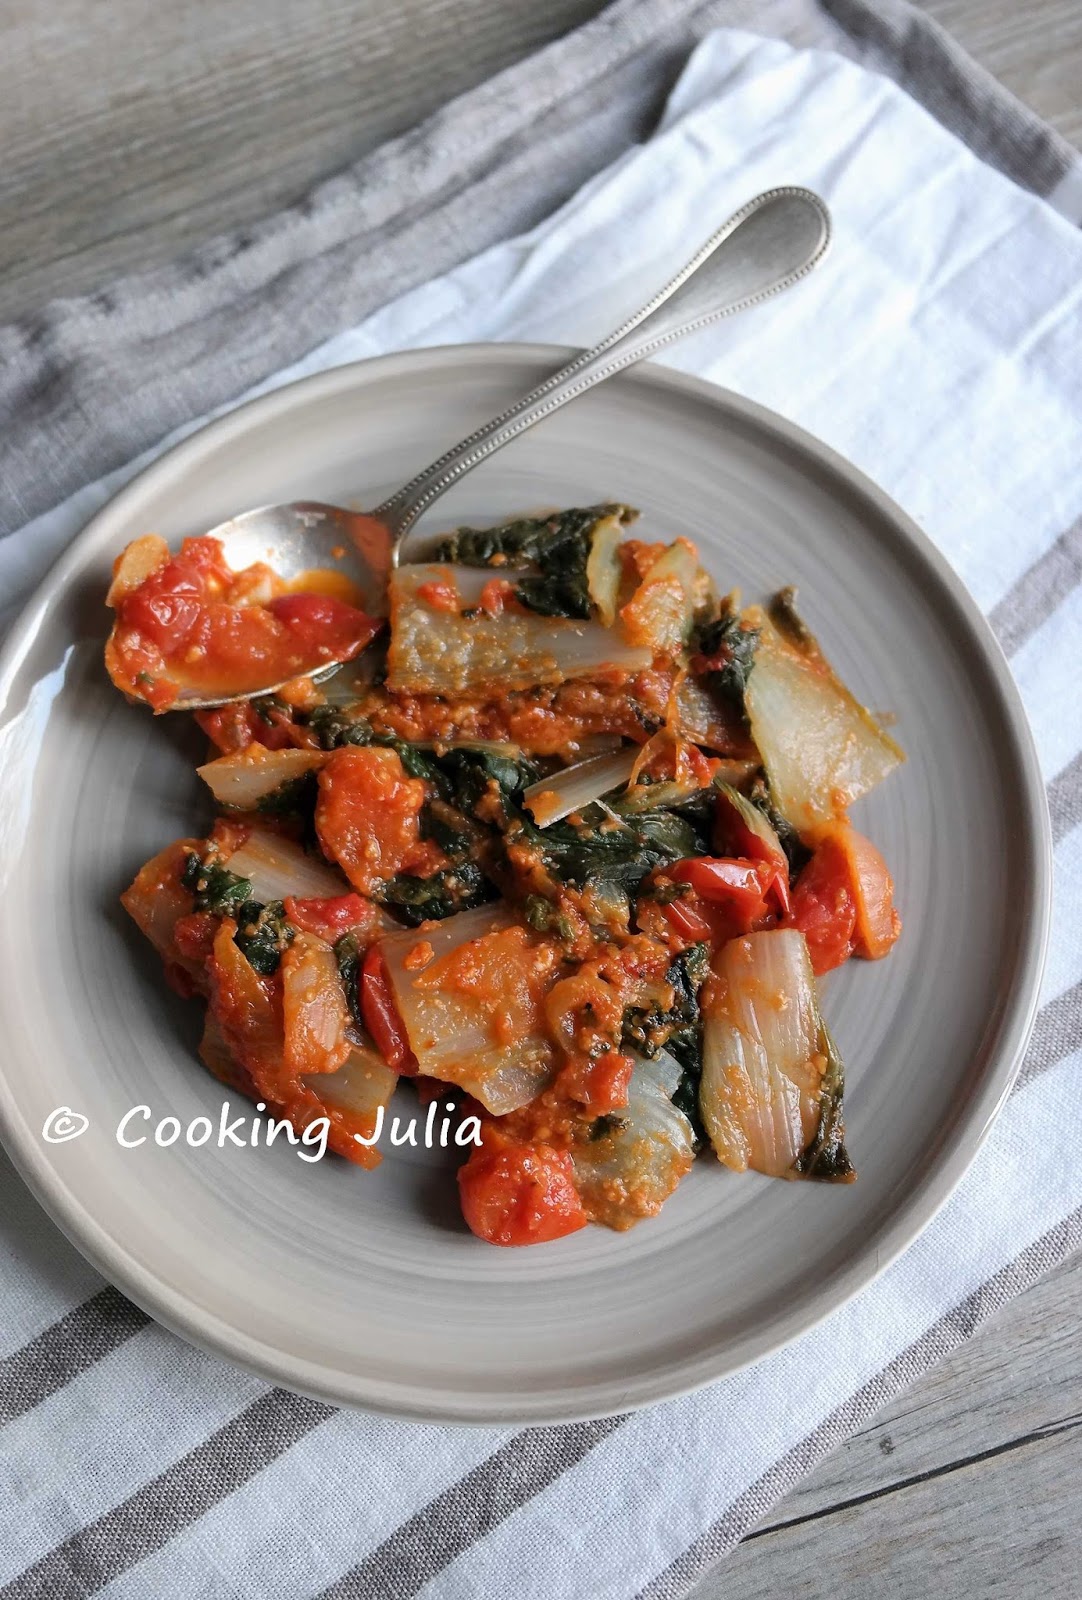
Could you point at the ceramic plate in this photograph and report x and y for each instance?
(365, 1288)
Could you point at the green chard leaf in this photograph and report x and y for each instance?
(729, 648)
(544, 917)
(214, 888)
(455, 833)
(262, 934)
(333, 726)
(271, 710)
(557, 545)
(455, 888)
(796, 853)
(262, 930)
(826, 1157)
(350, 954)
(686, 1099)
(470, 773)
(294, 798)
(599, 850)
(678, 1031)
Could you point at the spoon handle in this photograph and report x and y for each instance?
(763, 248)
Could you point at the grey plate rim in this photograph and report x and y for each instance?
(155, 1296)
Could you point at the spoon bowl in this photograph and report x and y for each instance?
(769, 244)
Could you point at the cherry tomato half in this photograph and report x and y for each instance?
(330, 918)
(515, 1194)
(738, 885)
(824, 908)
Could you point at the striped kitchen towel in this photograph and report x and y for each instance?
(943, 361)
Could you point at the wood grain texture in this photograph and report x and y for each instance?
(131, 129)
(969, 1484)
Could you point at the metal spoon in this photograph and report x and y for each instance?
(764, 247)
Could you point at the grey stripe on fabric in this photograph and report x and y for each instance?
(156, 349)
(185, 338)
(498, 1486)
(179, 1496)
(938, 1342)
(1039, 591)
(1065, 799)
(921, 56)
(1056, 1034)
(421, 1548)
(65, 1348)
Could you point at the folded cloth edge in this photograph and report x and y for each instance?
(86, 384)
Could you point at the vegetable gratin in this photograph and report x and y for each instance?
(564, 844)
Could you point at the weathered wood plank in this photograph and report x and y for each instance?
(1036, 50)
(976, 1470)
(1006, 1526)
(1019, 1376)
(131, 129)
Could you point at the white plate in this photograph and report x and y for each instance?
(366, 1288)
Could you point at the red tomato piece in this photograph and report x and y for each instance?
(515, 1194)
(496, 597)
(368, 817)
(193, 936)
(237, 725)
(193, 622)
(685, 920)
(878, 923)
(735, 836)
(607, 1082)
(312, 617)
(179, 979)
(439, 595)
(824, 908)
(849, 867)
(330, 919)
(429, 1089)
(740, 886)
(381, 1016)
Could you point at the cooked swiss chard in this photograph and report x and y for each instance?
(558, 546)
(257, 779)
(796, 852)
(569, 851)
(442, 894)
(609, 850)
(214, 888)
(726, 652)
(349, 952)
(276, 867)
(472, 774)
(262, 934)
(454, 634)
(821, 749)
(771, 1087)
(826, 1156)
(628, 1162)
(676, 1027)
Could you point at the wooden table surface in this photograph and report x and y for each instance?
(131, 128)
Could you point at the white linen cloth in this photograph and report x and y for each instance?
(938, 351)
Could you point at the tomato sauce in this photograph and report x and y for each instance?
(368, 817)
(193, 623)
